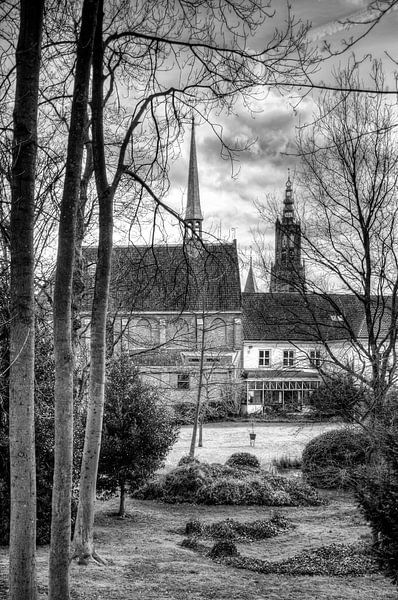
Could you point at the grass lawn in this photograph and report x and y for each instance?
(145, 559)
(273, 440)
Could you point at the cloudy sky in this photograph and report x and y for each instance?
(228, 192)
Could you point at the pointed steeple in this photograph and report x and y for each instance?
(288, 202)
(193, 213)
(251, 285)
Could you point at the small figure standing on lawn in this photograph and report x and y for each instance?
(252, 436)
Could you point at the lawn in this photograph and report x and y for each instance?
(146, 560)
(273, 440)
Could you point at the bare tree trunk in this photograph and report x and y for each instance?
(83, 540)
(200, 441)
(22, 324)
(122, 505)
(200, 382)
(63, 448)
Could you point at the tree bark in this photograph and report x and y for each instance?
(122, 504)
(200, 383)
(22, 441)
(83, 540)
(63, 447)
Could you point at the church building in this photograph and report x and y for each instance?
(177, 309)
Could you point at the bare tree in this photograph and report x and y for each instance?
(349, 178)
(22, 445)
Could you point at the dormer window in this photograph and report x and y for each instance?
(337, 318)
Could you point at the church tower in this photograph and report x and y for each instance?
(287, 272)
(193, 213)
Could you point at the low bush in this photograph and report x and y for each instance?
(184, 413)
(331, 459)
(235, 530)
(204, 483)
(332, 560)
(243, 459)
(286, 462)
(187, 460)
(223, 548)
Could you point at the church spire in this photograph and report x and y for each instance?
(251, 285)
(288, 202)
(193, 213)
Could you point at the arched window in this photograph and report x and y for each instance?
(178, 334)
(144, 333)
(215, 334)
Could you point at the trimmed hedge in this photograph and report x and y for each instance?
(331, 459)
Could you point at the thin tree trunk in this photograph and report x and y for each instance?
(197, 408)
(83, 540)
(63, 447)
(22, 324)
(200, 441)
(122, 504)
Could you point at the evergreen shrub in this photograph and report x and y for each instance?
(331, 459)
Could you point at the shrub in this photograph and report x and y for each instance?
(332, 560)
(223, 548)
(377, 492)
(235, 530)
(330, 459)
(242, 460)
(184, 412)
(286, 462)
(187, 460)
(138, 431)
(204, 483)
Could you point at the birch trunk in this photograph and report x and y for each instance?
(83, 540)
(22, 441)
(63, 448)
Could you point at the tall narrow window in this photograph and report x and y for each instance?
(288, 358)
(315, 358)
(263, 358)
(183, 381)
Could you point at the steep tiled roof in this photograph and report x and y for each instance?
(286, 316)
(190, 277)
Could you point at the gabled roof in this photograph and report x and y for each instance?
(296, 317)
(189, 277)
